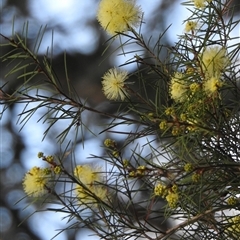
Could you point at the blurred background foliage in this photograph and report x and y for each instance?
(86, 65)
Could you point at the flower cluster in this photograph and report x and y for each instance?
(90, 186)
(171, 195)
(182, 103)
(213, 61)
(196, 92)
(112, 147)
(117, 16)
(138, 172)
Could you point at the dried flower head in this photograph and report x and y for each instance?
(118, 15)
(214, 61)
(113, 84)
(36, 180)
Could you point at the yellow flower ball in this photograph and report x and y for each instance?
(57, 170)
(172, 199)
(214, 60)
(183, 117)
(36, 181)
(163, 125)
(190, 26)
(178, 87)
(118, 15)
(212, 85)
(90, 194)
(232, 201)
(90, 177)
(113, 84)
(160, 190)
(188, 167)
(86, 174)
(200, 3)
(109, 143)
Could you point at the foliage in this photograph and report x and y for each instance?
(187, 185)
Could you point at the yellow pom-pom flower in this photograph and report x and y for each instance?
(183, 117)
(190, 26)
(160, 190)
(178, 87)
(214, 61)
(200, 3)
(109, 143)
(172, 199)
(212, 85)
(232, 201)
(89, 194)
(188, 167)
(118, 15)
(86, 174)
(92, 188)
(36, 182)
(170, 111)
(163, 125)
(57, 170)
(113, 84)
